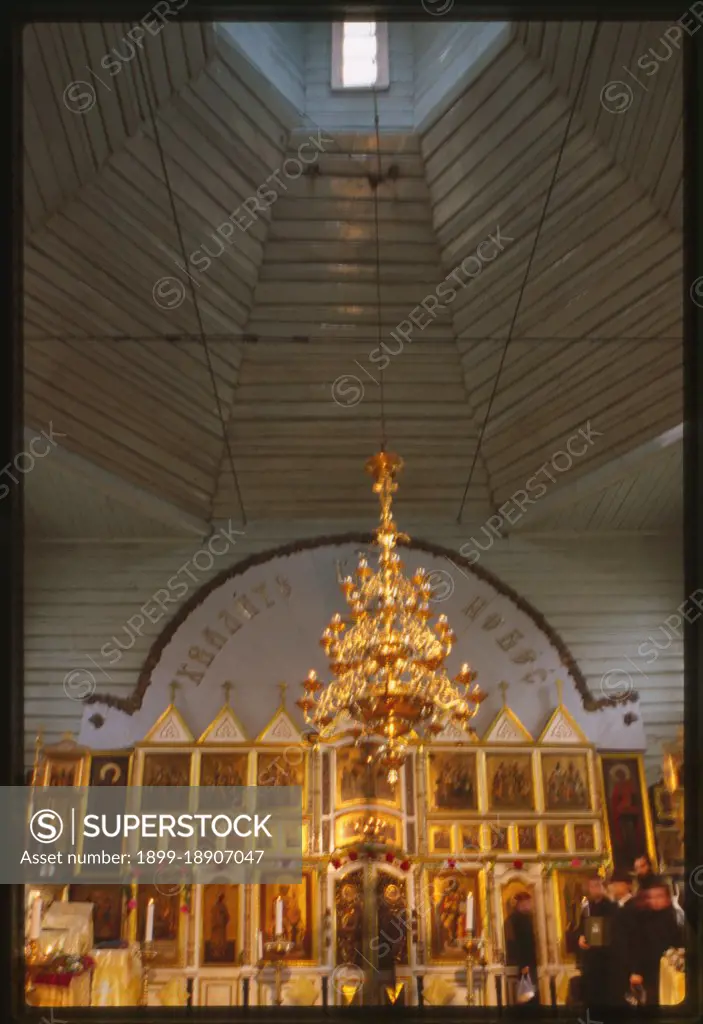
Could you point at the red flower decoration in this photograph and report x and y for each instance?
(132, 905)
(405, 865)
(353, 855)
(185, 909)
(336, 863)
(576, 862)
(451, 863)
(518, 864)
(390, 857)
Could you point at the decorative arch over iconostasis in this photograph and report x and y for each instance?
(258, 623)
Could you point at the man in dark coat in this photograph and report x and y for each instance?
(625, 924)
(658, 929)
(595, 936)
(521, 946)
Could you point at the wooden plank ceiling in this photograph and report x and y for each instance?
(290, 307)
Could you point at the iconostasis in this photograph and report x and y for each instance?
(396, 876)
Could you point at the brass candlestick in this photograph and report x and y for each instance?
(147, 954)
(474, 954)
(276, 952)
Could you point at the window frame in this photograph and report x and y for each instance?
(382, 61)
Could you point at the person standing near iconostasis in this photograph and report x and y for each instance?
(625, 925)
(520, 941)
(595, 937)
(658, 929)
(644, 872)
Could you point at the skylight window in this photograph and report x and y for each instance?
(359, 55)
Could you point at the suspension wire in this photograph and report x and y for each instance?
(378, 263)
(201, 330)
(530, 260)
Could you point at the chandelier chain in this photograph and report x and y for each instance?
(378, 263)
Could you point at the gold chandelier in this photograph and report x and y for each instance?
(387, 659)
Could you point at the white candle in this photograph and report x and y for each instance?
(260, 945)
(279, 915)
(35, 924)
(470, 912)
(149, 933)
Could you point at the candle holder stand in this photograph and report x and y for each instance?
(474, 955)
(276, 951)
(147, 955)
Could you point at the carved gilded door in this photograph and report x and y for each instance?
(373, 926)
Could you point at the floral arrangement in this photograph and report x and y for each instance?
(62, 968)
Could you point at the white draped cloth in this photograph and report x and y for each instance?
(75, 921)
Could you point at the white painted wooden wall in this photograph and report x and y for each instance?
(275, 48)
(604, 595)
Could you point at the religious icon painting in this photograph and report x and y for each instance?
(453, 785)
(63, 771)
(298, 920)
(570, 891)
(393, 923)
(471, 838)
(167, 920)
(662, 805)
(441, 839)
(223, 769)
(284, 768)
(109, 770)
(349, 910)
(166, 770)
(449, 893)
(556, 839)
(527, 838)
(220, 908)
(670, 848)
(509, 782)
(584, 838)
(565, 782)
(107, 903)
(625, 794)
(496, 837)
(362, 779)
